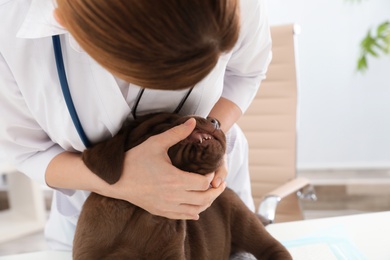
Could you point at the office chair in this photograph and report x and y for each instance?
(270, 125)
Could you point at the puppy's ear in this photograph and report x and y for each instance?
(105, 159)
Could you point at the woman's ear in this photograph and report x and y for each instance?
(57, 17)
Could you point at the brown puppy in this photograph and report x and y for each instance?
(116, 229)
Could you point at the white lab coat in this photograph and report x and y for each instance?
(35, 124)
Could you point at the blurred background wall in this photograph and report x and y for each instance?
(344, 115)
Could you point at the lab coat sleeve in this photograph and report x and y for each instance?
(250, 57)
(23, 143)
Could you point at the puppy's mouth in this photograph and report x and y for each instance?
(199, 136)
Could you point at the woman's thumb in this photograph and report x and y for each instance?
(176, 134)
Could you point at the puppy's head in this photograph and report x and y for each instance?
(201, 152)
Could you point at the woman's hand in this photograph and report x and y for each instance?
(220, 174)
(150, 181)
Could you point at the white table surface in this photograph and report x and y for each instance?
(363, 236)
(43, 255)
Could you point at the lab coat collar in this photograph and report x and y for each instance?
(40, 23)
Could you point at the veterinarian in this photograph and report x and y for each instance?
(123, 59)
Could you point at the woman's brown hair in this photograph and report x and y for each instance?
(158, 44)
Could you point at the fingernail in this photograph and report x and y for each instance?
(218, 182)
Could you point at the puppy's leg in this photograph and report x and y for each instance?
(249, 234)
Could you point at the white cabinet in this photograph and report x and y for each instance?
(27, 208)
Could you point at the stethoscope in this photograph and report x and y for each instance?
(141, 92)
(68, 98)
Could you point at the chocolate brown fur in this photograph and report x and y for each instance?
(116, 229)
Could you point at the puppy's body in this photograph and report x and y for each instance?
(116, 229)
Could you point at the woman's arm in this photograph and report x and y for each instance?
(68, 171)
(245, 69)
(226, 112)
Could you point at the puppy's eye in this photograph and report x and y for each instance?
(215, 122)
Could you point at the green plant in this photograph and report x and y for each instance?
(376, 43)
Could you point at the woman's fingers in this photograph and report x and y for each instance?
(189, 181)
(220, 174)
(194, 203)
(197, 182)
(175, 134)
(204, 198)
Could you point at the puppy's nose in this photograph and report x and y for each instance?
(215, 122)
